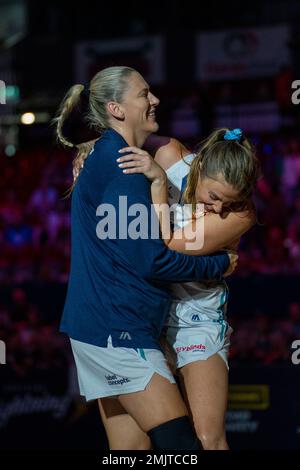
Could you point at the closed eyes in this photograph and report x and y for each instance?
(214, 197)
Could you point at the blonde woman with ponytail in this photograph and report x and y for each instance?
(77, 97)
(221, 177)
(114, 311)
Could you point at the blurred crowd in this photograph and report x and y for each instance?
(265, 339)
(33, 343)
(273, 244)
(35, 217)
(35, 214)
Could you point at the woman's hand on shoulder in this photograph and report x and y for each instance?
(140, 161)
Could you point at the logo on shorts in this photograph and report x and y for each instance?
(125, 335)
(195, 318)
(115, 380)
(192, 347)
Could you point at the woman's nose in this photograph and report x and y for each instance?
(154, 100)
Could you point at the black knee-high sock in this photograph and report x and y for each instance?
(177, 434)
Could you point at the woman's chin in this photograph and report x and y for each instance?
(155, 126)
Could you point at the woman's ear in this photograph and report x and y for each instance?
(115, 109)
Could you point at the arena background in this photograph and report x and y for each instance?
(231, 65)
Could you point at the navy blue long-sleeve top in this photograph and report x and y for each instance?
(113, 286)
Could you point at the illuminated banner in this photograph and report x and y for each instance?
(263, 408)
(146, 54)
(242, 53)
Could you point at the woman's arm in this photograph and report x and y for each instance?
(166, 154)
(213, 233)
(139, 161)
(167, 151)
(159, 196)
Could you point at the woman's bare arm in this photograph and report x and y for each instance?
(213, 233)
(167, 154)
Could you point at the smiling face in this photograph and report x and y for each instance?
(138, 106)
(215, 194)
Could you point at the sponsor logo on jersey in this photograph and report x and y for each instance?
(192, 347)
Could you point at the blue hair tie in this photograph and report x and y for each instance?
(235, 134)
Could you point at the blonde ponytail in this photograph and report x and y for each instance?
(107, 85)
(69, 102)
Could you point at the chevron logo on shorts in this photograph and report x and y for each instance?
(125, 335)
(195, 318)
